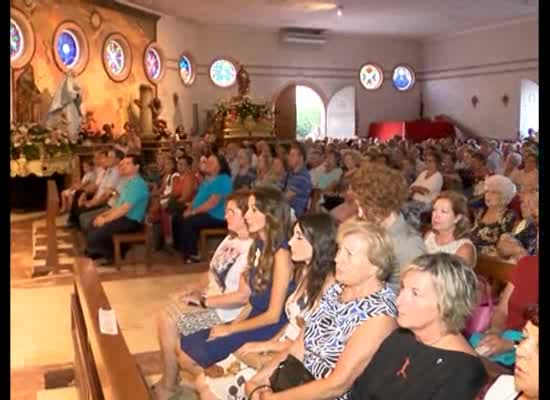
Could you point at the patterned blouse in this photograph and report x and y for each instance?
(485, 236)
(332, 324)
(526, 233)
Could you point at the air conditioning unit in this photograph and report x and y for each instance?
(303, 36)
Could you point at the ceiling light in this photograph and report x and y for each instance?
(340, 11)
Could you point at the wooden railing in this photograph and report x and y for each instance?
(104, 366)
(52, 208)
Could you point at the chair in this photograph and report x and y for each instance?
(204, 236)
(143, 236)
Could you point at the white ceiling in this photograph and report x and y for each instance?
(415, 18)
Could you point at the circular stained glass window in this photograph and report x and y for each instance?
(403, 78)
(16, 41)
(223, 73)
(371, 76)
(186, 70)
(68, 48)
(153, 64)
(114, 54)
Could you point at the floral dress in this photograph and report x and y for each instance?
(485, 236)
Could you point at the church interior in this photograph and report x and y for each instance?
(133, 84)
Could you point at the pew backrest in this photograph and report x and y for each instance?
(105, 368)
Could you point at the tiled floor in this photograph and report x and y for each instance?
(40, 313)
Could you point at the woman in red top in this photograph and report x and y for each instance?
(184, 187)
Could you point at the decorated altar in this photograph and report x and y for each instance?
(36, 150)
(241, 116)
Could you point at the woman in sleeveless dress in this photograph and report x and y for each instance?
(227, 295)
(270, 281)
(450, 228)
(353, 317)
(313, 248)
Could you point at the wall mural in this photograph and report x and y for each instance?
(109, 101)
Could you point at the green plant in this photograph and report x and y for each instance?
(31, 152)
(307, 118)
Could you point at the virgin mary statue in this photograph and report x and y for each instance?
(65, 107)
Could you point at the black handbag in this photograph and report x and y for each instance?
(290, 373)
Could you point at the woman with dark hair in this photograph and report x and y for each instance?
(206, 210)
(269, 277)
(353, 316)
(313, 249)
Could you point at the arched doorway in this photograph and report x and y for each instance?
(529, 108)
(300, 113)
(341, 114)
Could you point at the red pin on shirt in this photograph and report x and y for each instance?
(403, 371)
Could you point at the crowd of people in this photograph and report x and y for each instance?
(349, 267)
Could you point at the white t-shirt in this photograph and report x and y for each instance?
(434, 184)
(226, 267)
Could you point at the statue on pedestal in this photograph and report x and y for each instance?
(146, 112)
(66, 104)
(243, 80)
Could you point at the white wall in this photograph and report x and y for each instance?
(489, 64)
(341, 113)
(176, 35)
(273, 65)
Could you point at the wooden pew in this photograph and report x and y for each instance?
(494, 269)
(104, 366)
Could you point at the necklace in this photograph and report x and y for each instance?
(436, 341)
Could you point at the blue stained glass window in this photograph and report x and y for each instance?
(186, 70)
(153, 64)
(115, 57)
(223, 73)
(68, 49)
(16, 40)
(403, 78)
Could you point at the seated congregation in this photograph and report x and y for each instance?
(350, 270)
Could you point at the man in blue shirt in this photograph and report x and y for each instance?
(298, 184)
(126, 215)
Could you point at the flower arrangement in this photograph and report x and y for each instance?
(241, 109)
(34, 141)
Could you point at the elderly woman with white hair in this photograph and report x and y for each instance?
(427, 358)
(496, 218)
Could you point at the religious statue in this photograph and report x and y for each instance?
(160, 127)
(27, 97)
(145, 111)
(243, 80)
(66, 102)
